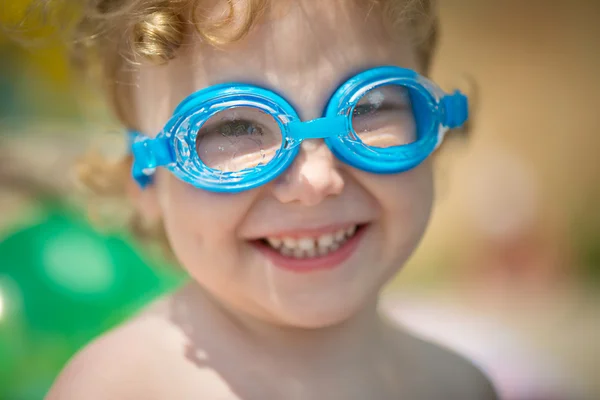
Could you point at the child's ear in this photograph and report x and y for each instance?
(145, 200)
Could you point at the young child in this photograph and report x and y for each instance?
(284, 147)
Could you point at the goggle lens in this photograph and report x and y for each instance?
(383, 117)
(238, 138)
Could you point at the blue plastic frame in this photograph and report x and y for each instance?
(174, 148)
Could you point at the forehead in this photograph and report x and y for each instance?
(303, 50)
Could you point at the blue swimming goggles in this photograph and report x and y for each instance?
(233, 137)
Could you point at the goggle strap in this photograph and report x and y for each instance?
(148, 154)
(456, 109)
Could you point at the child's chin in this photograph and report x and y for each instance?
(318, 315)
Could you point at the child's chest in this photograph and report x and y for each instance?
(253, 382)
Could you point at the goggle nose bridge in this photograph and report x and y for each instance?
(319, 128)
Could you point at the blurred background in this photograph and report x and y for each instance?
(508, 273)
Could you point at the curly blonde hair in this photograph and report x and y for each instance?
(112, 33)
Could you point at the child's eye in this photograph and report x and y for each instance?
(386, 98)
(363, 109)
(237, 128)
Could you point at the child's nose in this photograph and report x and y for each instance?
(312, 177)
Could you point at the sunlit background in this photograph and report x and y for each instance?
(508, 274)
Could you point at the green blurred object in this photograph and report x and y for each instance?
(61, 284)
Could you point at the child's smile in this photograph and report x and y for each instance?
(308, 250)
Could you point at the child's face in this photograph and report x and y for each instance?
(303, 53)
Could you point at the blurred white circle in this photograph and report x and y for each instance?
(1, 304)
(10, 297)
(78, 264)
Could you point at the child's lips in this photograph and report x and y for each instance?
(295, 252)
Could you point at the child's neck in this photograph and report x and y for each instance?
(357, 332)
(362, 335)
(348, 350)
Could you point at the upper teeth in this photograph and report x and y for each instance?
(306, 246)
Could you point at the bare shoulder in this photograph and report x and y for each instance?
(459, 376)
(166, 352)
(444, 373)
(122, 364)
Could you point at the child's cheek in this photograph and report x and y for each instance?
(202, 212)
